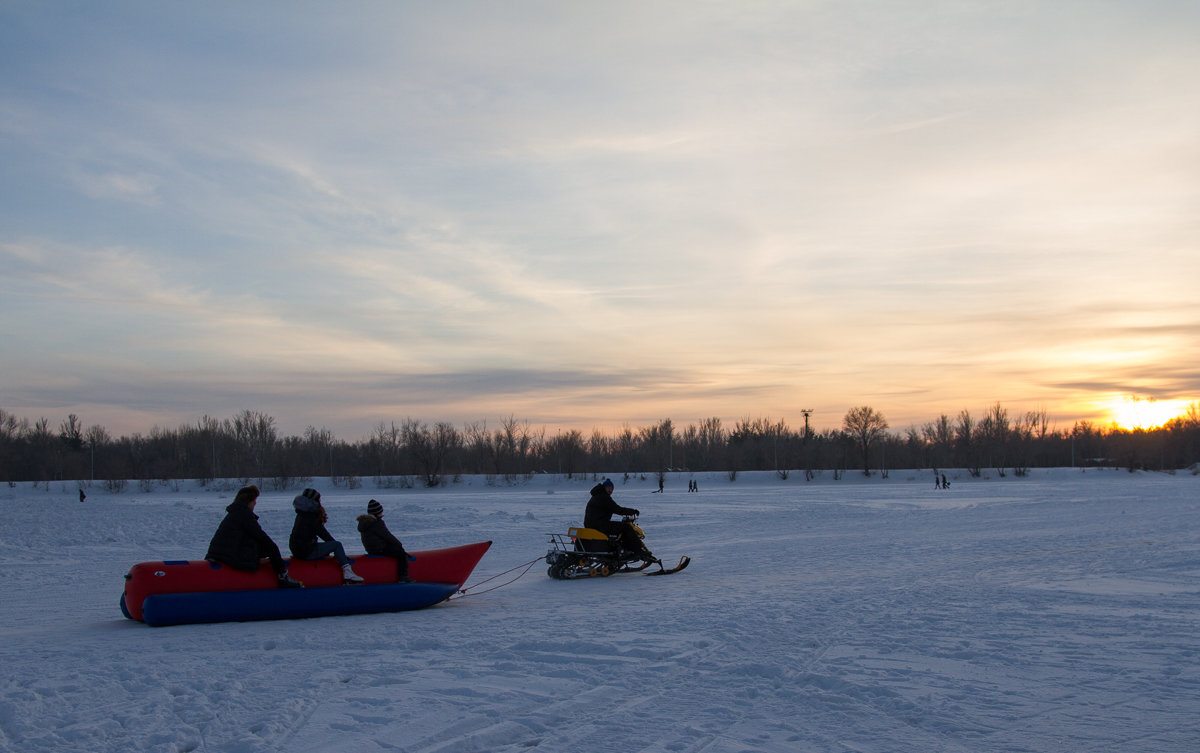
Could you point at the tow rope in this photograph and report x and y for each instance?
(528, 566)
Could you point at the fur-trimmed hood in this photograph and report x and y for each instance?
(306, 504)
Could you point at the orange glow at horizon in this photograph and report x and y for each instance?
(1141, 413)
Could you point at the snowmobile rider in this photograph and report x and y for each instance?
(241, 543)
(600, 509)
(377, 539)
(310, 523)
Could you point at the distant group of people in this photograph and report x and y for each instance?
(940, 483)
(693, 485)
(241, 543)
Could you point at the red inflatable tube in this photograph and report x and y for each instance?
(452, 565)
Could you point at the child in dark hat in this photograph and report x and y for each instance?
(377, 539)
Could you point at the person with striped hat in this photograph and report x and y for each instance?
(377, 539)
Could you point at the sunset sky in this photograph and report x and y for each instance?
(586, 214)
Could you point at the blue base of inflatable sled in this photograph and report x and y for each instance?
(161, 610)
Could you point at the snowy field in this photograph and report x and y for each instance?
(1054, 613)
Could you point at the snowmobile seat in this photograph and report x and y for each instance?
(590, 540)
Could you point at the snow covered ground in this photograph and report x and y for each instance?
(1059, 612)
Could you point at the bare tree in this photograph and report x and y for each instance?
(940, 436)
(256, 436)
(1021, 441)
(567, 451)
(512, 445)
(318, 450)
(625, 446)
(994, 431)
(71, 433)
(430, 447)
(388, 440)
(865, 425)
(966, 442)
(599, 449)
(657, 444)
(477, 441)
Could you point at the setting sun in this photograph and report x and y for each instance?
(1141, 413)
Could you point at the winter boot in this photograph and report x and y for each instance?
(287, 581)
(349, 576)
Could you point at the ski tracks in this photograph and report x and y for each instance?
(612, 690)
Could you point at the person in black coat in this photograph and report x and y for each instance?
(600, 509)
(377, 539)
(241, 543)
(310, 524)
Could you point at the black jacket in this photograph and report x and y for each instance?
(310, 523)
(239, 539)
(377, 539)
(601, 507)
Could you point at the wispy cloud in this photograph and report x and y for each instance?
(137, 187)
(596, 213)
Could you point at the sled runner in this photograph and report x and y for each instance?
(589, 553)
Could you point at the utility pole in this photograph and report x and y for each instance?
(807, 460)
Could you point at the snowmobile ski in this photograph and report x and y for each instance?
(684, 561)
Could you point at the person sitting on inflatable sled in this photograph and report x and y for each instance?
(241, 543)
(377, 539)
(310, 523)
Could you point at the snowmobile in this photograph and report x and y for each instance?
(589, 553)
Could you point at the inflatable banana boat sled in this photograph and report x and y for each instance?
(187, 591)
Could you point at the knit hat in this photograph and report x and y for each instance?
(312, 494)
(608, 482)
(374, 508)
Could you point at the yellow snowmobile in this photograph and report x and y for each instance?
(589, 553)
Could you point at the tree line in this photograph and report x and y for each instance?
(250, 446)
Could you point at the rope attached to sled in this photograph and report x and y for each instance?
(528, 566)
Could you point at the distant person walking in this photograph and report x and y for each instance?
(82, 496)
